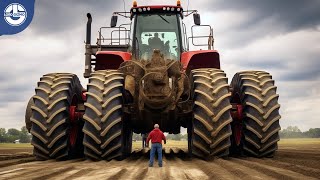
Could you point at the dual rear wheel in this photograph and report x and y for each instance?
(213, 132)
(58, 134)
(210, 131)
(106, 134)
(54, 134)
(259, 129)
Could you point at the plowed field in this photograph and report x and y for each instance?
(295, 159)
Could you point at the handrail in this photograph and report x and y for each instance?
(116, 37)
(210, 43)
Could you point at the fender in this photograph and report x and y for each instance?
(111, 59)
(200, 59)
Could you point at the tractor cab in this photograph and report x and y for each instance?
(157, 27)
(151, 28)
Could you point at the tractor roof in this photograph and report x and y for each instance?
(156, 9)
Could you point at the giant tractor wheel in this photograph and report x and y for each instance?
(55, 134)
(210, 131)
(106, 135)
(255, 132)
(28, 114)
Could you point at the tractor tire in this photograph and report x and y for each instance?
(51, 127)
(256, 92)
(29, 114)
(210, 129)
(105, 133)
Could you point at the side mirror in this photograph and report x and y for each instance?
(114, 20)
(196, 19)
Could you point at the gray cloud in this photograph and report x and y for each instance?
(294, 14)
(304, 74)
(52, 18)
(258, 19)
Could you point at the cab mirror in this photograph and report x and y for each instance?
(196, 19)
(114, 20)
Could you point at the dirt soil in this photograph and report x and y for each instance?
(291, 162)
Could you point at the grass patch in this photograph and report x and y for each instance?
(179, 144)
(15, 146)
(170, 144)
(299, 141)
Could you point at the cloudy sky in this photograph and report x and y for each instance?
(278, 36)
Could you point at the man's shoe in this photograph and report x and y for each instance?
(150, 165)
(160, 165)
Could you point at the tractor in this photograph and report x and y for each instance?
(144, 73)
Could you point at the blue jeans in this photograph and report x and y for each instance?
(156, 147)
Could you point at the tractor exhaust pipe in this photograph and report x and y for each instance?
(88, 50)
(88, 39)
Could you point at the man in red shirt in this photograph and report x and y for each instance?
(156, 136)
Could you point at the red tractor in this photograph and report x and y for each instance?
(143, 73)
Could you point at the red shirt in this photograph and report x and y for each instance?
(156, 136)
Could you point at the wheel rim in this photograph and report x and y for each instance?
(237, 116)
(238, 125)
(74, 117)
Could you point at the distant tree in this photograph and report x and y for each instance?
(291, 132)
(25, 137)
(293, 129)
(12, 135)
(136, 137)
(3, 135)
(313, 133)
(184, 137)
(176, 137)
(13, 132)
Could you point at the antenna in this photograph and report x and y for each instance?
(188, 5)
(124, 5)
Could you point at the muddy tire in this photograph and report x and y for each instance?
(210, 129)
(105, 135)
(50, 120)
(28, 114)
(256, 92)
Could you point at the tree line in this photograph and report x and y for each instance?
(176, 137)
(11, 135)
(295, 132)
(289, 132)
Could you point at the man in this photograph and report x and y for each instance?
(155, 42)
(156, 136)
(144, 140)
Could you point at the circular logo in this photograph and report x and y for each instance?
(15, 14)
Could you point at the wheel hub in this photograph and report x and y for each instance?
(237, 116)
(75, 115)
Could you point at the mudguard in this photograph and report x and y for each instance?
(110, 59)
(200, 59)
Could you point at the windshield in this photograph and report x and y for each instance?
(157, 31)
